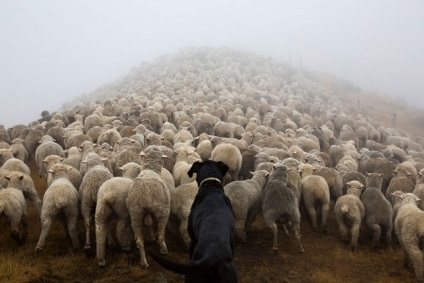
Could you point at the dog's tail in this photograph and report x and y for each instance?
(181, 268)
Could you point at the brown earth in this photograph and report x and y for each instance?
(326, 258)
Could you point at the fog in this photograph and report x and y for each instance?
(52, 51)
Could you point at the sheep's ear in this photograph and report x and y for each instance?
(142, 154)
(164, 156)
(420, 174)
(7, 178)
(223, 167)
(51, 171)
(418, 200)
(408, 173)
(367, 174)
(348, 185)
(381, 175)
(44, 161)
(194, 168)
(361, 186)
(266, 174)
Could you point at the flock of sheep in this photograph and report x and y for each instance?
(293, 152)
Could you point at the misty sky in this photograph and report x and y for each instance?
(52, 51)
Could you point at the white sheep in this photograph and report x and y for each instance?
(61, 197)
(409, 228)
(111, 200)
(25, 184)
(230, 155)
(182, 198)
(419, 188)
(149, 196)
(349, 212)
(13, 207)
(96, 175)
(246, 199)
(315, 195)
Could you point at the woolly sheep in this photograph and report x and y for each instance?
(182, 198)
(333, 179)
(60, 197)
(13, 207)
(149, 196)
(409, 229)
(111, 200)
(349, 212)
(315, 195)
(19, 150)
(15, 164)
(47, 147)
(280, 203)
(230, 155)
(246, 197)
(419, 188)
(184, 158)
(25, 184)
(378, 210)
(95, 176)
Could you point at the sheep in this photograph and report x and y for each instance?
(149, 196)
(185, 156)
(95, 176)
(378, 210)
(409, 229)
(230, 155)
(280, 203)
(333, 179)
(25, 184)
(356, 176)
(245, 197)
(13, 207)
(5, 154)
(73, 157)
(349, 212)
(47, 147)
(419, 188)
(14, 164)
(19, 150)
(315, 195)
(111, 200)
(60, 197)
(182, 198)
(399, 184)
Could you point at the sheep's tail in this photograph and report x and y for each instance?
(60, 202)
(344, 209)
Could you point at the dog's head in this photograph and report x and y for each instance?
(208, 169)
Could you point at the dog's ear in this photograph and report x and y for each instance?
(223, 167)
(194, 168)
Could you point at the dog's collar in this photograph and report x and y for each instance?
(210, 179)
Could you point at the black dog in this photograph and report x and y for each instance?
(211, 229)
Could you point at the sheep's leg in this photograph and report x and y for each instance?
(388, 236)
(123, 233)
(376, 235)
(136, 223)
(324, 214)
(148, 222)
(405, 257)
(355, 236)
(344, 230)
(240, 232)
(109, 236)
(275, 234)
(72, 229)
(162, 221)
(313, 215)
(24, 222)
(46, 222)
(184, 232)
(416, 256)
(297, 236)
(14, 229)
(85, 211)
